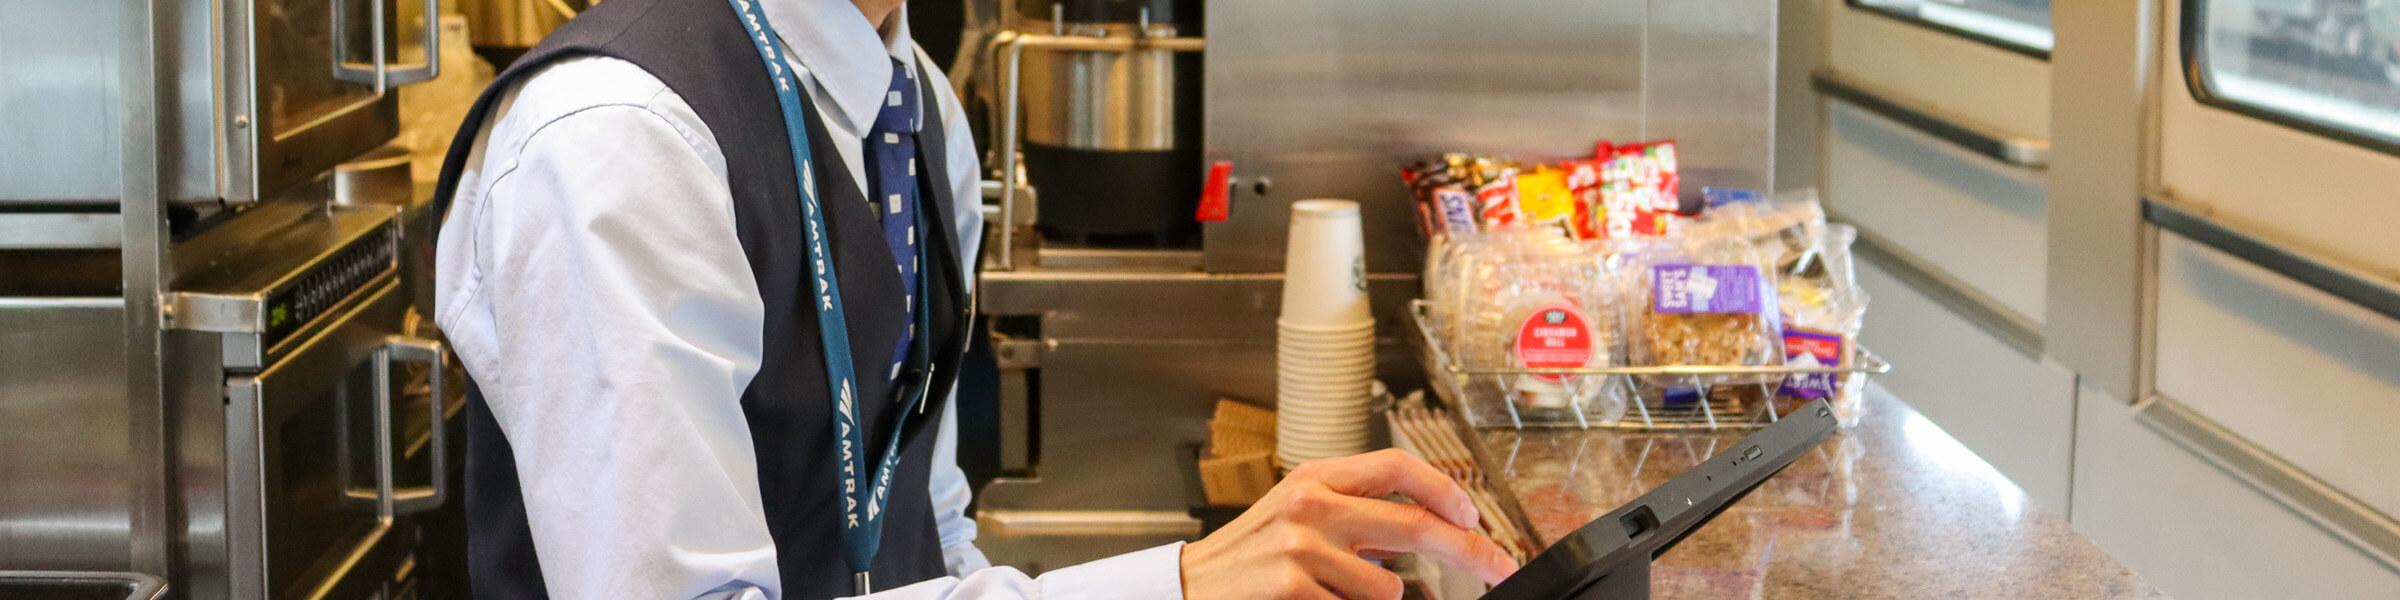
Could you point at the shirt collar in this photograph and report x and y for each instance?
(850, 60)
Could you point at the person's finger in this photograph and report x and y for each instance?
(1384, 472)
(1349, 576)
(1367, 524)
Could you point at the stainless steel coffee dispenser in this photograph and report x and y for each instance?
(1110, 125)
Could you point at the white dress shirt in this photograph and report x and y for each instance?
(612, 328)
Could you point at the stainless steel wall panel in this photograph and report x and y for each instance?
(1328, 99)
(1709, 82)
(1799, 120)
(65, 494)
(58, 102)
(1103, 305)
(60, 107)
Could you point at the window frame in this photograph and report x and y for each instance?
(1896, 14)
(2193, 39)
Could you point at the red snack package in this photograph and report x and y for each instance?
(1583, 181)
(1639, 185)
(1496, 199)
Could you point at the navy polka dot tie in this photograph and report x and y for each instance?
(892, 164)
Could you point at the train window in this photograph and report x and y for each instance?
(2019, 25)
(2327, 66)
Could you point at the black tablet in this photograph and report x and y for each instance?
(1610, 556)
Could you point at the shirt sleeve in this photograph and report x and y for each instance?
(948, 489)
(1152, 573)
(948, 486)
(612, 324)
(966, 170)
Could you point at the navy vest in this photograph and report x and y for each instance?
(699, 49)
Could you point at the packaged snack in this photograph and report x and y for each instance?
(1496, 199)
(1823, 312)
(1532, 299)
(1543, 197)
(1452, 206)
(1707, 301)
(1583, 183)
(1447, 204)
(1639, 190)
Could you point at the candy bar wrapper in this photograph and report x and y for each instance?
(1445, 204)
(1583, 182)
(1807, 348)
(1454, 209)
(1496, 200)
(1685, 288)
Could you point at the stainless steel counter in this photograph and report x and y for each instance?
(1894, 508)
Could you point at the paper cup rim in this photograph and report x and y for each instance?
(1327, 391)
(1366, 324)
(1325, 207)
(1331, 390)
(1327, 422)
(1326, 361)
(1361, 338)
(1326, 442)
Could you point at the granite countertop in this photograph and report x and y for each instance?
(1894, 508)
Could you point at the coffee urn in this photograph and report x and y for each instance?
(1111, 136)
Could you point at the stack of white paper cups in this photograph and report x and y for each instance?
(1325, 339)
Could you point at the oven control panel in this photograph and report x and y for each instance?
(283, 270)
(328, 284)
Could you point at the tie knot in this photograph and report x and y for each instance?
(899, 112)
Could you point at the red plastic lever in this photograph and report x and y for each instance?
(1216, 195)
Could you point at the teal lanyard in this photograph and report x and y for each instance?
(862, 506)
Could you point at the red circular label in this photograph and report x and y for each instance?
(1554, 337)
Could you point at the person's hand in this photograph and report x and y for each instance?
(1306, 537)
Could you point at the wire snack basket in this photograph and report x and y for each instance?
(1632, 397)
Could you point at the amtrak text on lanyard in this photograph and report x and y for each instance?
(862, 509)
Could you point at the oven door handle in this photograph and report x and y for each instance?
(431, 354)
(381, 73)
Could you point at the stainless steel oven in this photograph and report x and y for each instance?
(330, 441)
(258, 97)
(315, 496)
(310, 84)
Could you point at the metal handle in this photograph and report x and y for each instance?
(2362, 527)
(2358, 286)
(401, 348)
(2018, 151)
(380, 73)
